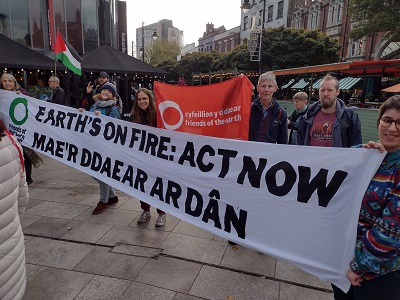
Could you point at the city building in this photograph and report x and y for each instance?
(163, 29)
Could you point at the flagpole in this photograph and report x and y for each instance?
(55, 59)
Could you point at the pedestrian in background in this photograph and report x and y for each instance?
(13, 200)
(57, 94)
(300, 104)
(375, 269)
(144, 112)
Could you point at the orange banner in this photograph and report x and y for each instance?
(219, 110)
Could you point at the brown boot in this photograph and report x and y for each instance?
(101, 207)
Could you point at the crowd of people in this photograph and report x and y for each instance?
(375, 269)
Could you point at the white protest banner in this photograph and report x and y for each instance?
(296, 203)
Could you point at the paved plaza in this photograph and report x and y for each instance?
(72, 254)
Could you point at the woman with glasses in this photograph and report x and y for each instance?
(375, 269)
(144, 112)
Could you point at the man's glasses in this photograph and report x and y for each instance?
(387, 122)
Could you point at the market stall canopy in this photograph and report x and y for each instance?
(285, 86)
(316, 84)
(301, 84)
(373, 68)
(14, 55)
(392, 89)
(112, 60)
(348, 82)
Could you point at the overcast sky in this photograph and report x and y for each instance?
(188, 15)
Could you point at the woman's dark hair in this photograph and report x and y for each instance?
(392, 102)
(140, 116)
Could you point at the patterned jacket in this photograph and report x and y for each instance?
(378, 236)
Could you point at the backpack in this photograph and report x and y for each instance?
(108, 111)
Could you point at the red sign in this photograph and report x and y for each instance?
(219, 110)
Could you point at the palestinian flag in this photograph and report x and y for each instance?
(67, 54)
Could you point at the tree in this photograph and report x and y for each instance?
(372, 16)
(163, 50)
(199, 62)
(285, 48)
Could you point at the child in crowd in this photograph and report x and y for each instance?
(105, 104)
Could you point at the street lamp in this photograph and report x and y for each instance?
(154, 36)
(246, 8)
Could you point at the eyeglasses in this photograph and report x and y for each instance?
(387, 122)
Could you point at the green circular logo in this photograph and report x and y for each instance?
(13, 105)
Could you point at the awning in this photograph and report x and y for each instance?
(348, 82)
(316, 84)
(392, 89)
(285, 86)
(300, 85)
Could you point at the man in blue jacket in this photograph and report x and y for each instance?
(328, 122)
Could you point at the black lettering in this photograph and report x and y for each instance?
(50, 146)
(109, 131)
(253, 173)
(40, 113)
(121, 135)
(81, 123)
(117, 168)
(128, 176)
(38, 142)
(187, 155)
(96, 161)
(196, 212)
(96, 128)
(141, 178)
(72, 153)
(174, 191)
(106, 167)
(226, 156)
(86, 158)
(325, 193)
(162, 147)
(134, 137)
(157, 189)
(212, 211)
(50, 117)
(60, 119)
(59, 149)
(239, 223)
(151, 145)
(290, 179)
(200, 163)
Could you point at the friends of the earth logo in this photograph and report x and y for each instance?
(18, 113)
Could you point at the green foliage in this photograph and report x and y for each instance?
(163, 50)
(373, 16)
(199, 62)
(285, 48)
(282, 48)
(36, 91)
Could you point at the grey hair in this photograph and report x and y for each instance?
(55, 79)
(267, 76)
(12, 78)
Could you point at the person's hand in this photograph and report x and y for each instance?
(374, 145)
(81, 109)
(354, 278)
(97, 112)
(89, 88)
(288, 121)
(18, 92)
